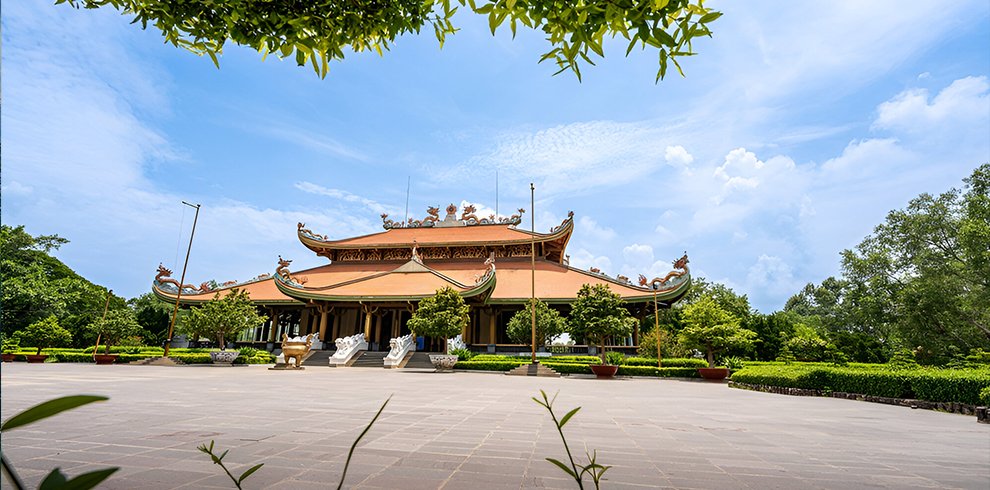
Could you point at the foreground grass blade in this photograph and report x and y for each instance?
(49, 408)
(350, 453)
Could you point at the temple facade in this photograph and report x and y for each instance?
(372, 283)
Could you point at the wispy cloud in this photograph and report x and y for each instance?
(343, 195)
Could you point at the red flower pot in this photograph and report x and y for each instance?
(105, 358)
(36, 358)
(715, 374)
(8, 357)
(604, 371)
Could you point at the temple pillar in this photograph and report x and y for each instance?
(304, 322)
(324, 313)
(274, 328)
(367, 325)
(491, 327)
(378, 329)
(336, 328)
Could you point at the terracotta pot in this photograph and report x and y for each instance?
(604, 371)
(8, 357)
(715, 374)
(36, 358)
(105, 358)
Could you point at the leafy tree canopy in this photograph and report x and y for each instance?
(712, 329)
(442, 315)
(153, 314)
(316, 32)
(549, 324)
(118, 325)
(597, 314)
(223, 317)
(35, 285)
(46, 333)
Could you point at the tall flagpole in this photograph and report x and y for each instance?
(182, 280)
(105, 308)
(532, 217)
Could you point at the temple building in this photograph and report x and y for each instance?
(372, 283)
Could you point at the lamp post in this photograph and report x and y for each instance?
(532, 217)
(182, 280)
(656, 321)
(105, 308)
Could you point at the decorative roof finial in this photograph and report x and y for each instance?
(415, 252)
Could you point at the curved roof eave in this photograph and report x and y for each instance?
(483, 288)
(198, 299)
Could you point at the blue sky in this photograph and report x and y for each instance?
(797, 128)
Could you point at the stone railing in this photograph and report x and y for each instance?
(400, 347)
(455, 343)
(347, 348)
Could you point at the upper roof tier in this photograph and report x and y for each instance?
(440, 238)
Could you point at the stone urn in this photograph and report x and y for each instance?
(444, 363)
(604, 371)
(105, 358)
(714, 374)
(224, 357)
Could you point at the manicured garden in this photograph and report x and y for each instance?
(125, 354)
(628, 366)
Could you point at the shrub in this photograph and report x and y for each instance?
(597, 314)
(248, 352)
(903, 359)
(672, 362)
(614, 358)
(11, 344)
(664, 372)
(732, 362)
(462, 354)
(475, 365)
(46, 333)
(713, 329)
(985, 397)
(115, 327)
(222, 318)
(575, 359)
(121, 349)
(961, 386)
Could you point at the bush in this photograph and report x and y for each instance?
(732, 362)
(672, 362)
(248, 352)
(961, 386)
(475, 365)
(576, 359)
(985, 397)
(121, 349)
(46, 333)
(498, 357)
(462, 354)
(614, 358)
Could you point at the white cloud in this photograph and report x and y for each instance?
(583, 259)
(638, 254)
(343, 195)
(965, 101)
(678, 156)
(773, 274)
(590, 229)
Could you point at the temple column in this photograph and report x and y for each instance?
(378, 329)
(395, 323)
(324, 313)
(336, 328)
(491, 327)
(304, 322)
(274, 328)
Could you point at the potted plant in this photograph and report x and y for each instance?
(711, 329)
(442, 315)
(116, 326)
(43, 334)
(221, 319)
(596, 315)
(10, 345)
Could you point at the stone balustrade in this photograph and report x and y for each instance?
(400, 347)
(347, 348)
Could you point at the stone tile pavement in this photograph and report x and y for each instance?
(472, 431)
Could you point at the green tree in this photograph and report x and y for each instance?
(153, 314)
(34, 285)
(442, 315)
(46, 333)
(922, 275)
(223, 317)
(598, 314)
(549, 324)
(318, 32)
(118, 325)
(771, 332)
(712, 329)
(724, 296)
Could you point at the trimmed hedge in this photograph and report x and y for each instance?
(484, 365)
(936, 385)
(576, 368)
(672, 362)
(985, 397)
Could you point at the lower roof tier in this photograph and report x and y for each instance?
(509, 281)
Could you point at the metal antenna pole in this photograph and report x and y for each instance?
(656, 321)
(182, 280)
(532, 217)
(408, 185)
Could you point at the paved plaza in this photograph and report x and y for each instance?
(472, 430)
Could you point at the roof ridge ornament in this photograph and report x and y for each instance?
(415, 253)
(432, 219)
(306, 231)
(283, 271)
(657, 283)
(570, 216)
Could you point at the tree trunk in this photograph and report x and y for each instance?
(223, 345)
(711, 356)
(601, 351)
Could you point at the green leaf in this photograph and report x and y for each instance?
(249, 472)
(568, 416)
(563, 467)
(49, 408)
(56, 480)
(710, 17)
